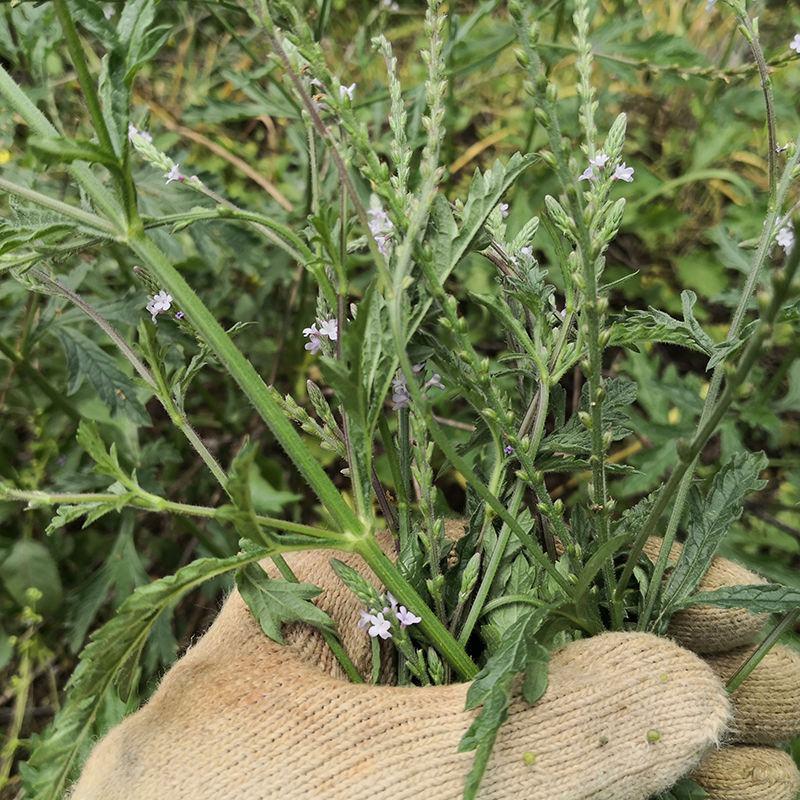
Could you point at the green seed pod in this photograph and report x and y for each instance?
(469, 577)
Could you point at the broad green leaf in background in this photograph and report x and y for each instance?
(30, 565)
(86, 360)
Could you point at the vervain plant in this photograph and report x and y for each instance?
(390, 338)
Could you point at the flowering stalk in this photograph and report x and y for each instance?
(687, 453)
(772, 222)
(589, 254)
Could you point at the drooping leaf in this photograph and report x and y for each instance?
(273, 601)
(711, 520)
(518, 651)
(56, 753)
(509, 659)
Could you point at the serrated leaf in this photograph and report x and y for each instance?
(535, 683)
(107, 462)
(766, 598)
(711, 520)
(654, 326)
(516, 652)
(55, 754)
(62, 150)
(86, 360)
(275, 601)
(509, 658)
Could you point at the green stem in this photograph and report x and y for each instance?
(759, 259)
(250, 382)
(740, 676)
(781, 288)
(431, 626)
(75, 50)
(145, 501)
(477, 608)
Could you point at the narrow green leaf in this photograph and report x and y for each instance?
(710, 521)
(767, 598)
(65, 151)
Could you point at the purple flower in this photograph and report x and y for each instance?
(381, 227)
(365, 620)
(527, 250)
(347, 91)
(180, 315)
(379, 626)
(329, 328)
(504, 212)
(795, 43)
(434, 382)
(175, 174)
(314, 343)
(158, 303)
(586, 175)
(406, 617)
(508, 449)
(623, 173)
(599, 161)
(785, 238)
(400, 396)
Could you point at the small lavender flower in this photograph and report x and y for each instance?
(508, 450)
(347, 91)
(180, 315)
(795, 43)
(527, 250)
(329, 328)
(586, 175)
(400, 396)
(785, 238)
(379, 626)
(599, 161)
(504, 210)
(406, 617)
(365, 620)
(133, 132)
(434, 382)
(175, 174)
(623, 173)
(381, 227)
(158, 303)
(314, 343)
(391, 600)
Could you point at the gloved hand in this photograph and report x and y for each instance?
(624, 716)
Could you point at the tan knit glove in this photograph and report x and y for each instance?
(624, 716)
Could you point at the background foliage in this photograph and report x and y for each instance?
(695, 138)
